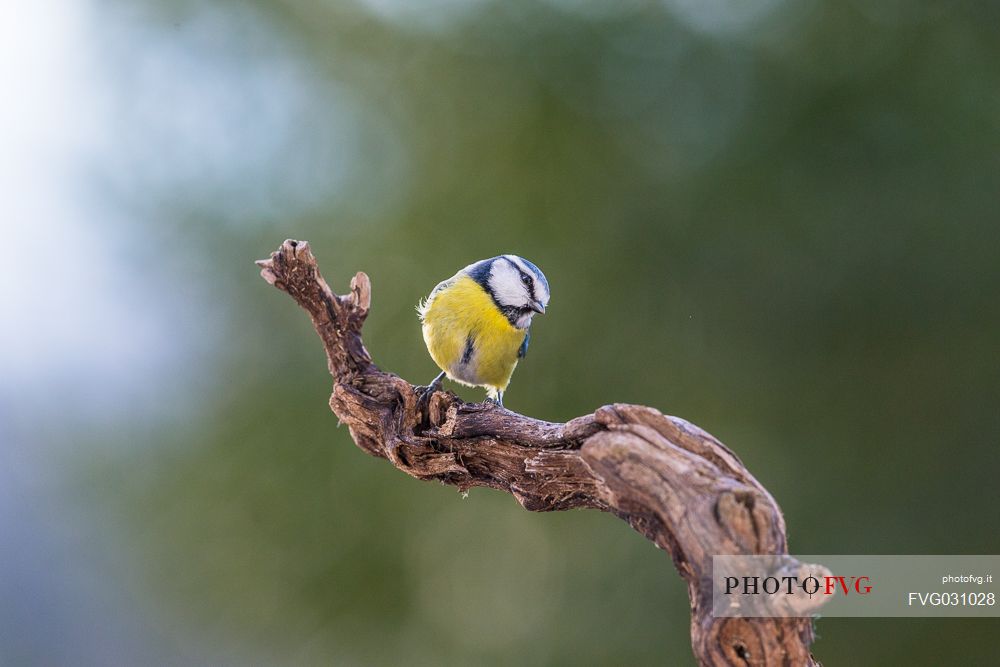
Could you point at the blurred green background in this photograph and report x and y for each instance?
(776, 219)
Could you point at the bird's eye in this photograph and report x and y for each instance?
(525, 279)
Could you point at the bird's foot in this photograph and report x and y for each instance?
(424, 392)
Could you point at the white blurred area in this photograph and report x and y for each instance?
(77, 341)
(99, 124)
(55, 267)
(79, 338)
(106, 123)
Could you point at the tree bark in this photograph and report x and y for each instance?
(671, 481)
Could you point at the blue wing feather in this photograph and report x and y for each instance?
(523, 350)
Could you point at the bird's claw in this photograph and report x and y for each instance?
(424, 392)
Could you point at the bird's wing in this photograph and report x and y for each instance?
(523, 350)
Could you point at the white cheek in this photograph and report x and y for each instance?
(506, 284)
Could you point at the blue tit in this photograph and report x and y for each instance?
(476, 322)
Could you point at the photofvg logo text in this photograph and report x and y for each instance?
(781, 586)
(793, 585)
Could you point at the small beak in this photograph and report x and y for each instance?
(537, 307)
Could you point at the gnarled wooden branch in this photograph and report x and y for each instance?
(671, 481)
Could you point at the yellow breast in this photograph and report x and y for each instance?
(467, 335)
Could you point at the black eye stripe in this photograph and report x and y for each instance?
(528, 282)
